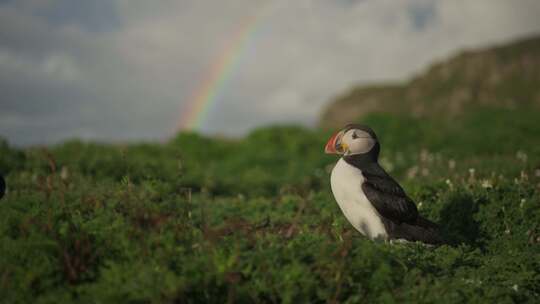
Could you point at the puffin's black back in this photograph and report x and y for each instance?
(398, 212)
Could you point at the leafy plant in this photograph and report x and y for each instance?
(206, 220)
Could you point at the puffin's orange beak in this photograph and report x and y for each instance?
(333, 146)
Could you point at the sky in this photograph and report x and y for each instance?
(127, 70)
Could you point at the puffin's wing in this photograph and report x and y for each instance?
(388, 198)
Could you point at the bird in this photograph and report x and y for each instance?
(371, 200)
(2, 186)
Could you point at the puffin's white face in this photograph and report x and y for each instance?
(350, 142)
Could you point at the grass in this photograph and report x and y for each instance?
(202, 220)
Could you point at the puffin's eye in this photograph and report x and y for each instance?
(354, 136)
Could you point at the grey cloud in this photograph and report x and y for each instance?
(68, 70)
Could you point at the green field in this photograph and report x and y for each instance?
(206, 220)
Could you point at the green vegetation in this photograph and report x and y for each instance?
(505, 77)
(202, 220)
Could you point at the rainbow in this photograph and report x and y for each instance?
(207, 94)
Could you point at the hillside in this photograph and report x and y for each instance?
(505, 77)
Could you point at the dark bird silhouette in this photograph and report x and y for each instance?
(2, 186)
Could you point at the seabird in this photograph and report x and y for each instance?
(2, 186)
(371, 200)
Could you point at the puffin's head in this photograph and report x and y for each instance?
(354, 139)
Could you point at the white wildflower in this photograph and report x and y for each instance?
(425, 156)
(515, 287)
(412, 172)
(451, 164)
(522, 156)
(524, 176)
(472, 281)
(471, 174)
(64, 173)
(486, 183)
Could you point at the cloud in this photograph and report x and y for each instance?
(123, 70)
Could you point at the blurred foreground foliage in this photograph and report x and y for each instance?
(206, 220)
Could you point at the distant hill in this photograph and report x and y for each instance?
(506, 76)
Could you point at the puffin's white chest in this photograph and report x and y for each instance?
(346, 182)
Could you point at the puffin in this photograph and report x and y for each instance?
(371, 200)
(2, 186)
